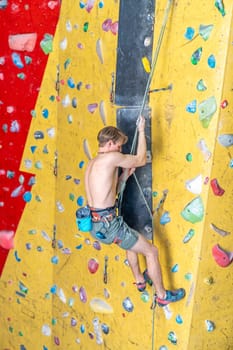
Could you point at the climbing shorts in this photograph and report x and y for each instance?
(113, 229)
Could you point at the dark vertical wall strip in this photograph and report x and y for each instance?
(134, 209)
(136, 24)
(135, 38)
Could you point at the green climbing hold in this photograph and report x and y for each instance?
(194, 211)
(206, 110)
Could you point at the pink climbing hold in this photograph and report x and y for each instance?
(22, 42)
(222, 257)
(7, 239)
(93, 265)
(114, 28)
(106, 26)
(218, 191)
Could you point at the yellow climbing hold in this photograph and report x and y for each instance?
(146, 64)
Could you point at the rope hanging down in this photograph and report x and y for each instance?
(133, 147)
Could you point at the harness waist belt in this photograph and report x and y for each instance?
(103, 214)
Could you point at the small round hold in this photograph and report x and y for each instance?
(224, 104)
(147, 41)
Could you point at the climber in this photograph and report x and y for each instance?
(102, 184)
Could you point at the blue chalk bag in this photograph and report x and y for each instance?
(83, 219)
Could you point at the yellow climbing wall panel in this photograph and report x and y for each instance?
(68, 304)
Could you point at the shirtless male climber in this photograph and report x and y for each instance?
(102, 184)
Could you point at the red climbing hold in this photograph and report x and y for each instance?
(218, 191)
(222, 257)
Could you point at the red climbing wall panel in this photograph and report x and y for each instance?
(22, 63)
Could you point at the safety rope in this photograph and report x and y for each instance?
(133, 147)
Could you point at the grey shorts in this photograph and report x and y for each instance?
(115, 231)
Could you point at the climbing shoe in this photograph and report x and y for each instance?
(141, 286)
(171, 297)
(147, 278)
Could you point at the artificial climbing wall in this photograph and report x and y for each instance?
(61, 289)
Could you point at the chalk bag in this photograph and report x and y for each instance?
(83, 219)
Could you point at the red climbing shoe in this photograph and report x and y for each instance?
(141, 286)
(171, 297)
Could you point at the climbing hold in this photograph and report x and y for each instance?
(99, 50)
(220, 6)
(114, 28)
(54, 260)
(82, 294)
(189, 157)
(74, 102)
(223, 233)
(221, 256)
(93, 265)
(145, 297)
(18, 191)
(97, 245)
(82, 328)
(196, 56)
(201, 85)
(101, 4)
(89, 5)
(102, 112)
(204, 149)
(188, 276)
(175, 268)
(218, 191)
(22, 42)
(165, 218)
(106, 26)
(38, 135)
(45, 113)
(105, 328)
(97, 331)
(211, 61)
(99, 305)
(127, 304)
(46, 43)
(179, 319)
(194, 185)
(210, 326)
(206, 110)
(7, 239)
(192, 106)
(224, 104)
(92, 107)
(61, 295)
(172, 337)
(66, 101)
(146, 64)
(70, 83)
(17, 60)
(73, 322)
(46, 330)
(194, 211)
(189, 34)
(205, 31)
(188, 236)
(226, 140)
(27, 196)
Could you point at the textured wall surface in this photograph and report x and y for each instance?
(53, 293)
